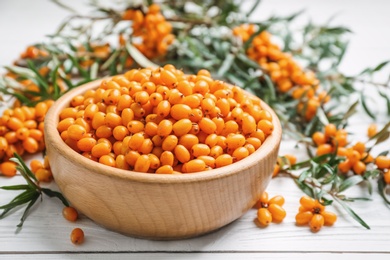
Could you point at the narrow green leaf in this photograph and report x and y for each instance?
(306, 188)
(139, 57)
(56, 194)
(110, 60)
(349, 182)
(42, 83)
(351, 110)
(24, 72)
(382, 190)
(322, 116)
(383, 131)
(16, 187)
(17, 159)
(352, 213)
(365, 107)
(25, 213)
(21, 199)
(226, 65)
(253, 8)
(387, 99)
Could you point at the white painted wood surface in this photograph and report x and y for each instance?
(46, 233)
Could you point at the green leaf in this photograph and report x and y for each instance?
(226, 65)
(382, 190)
(352, 213)
(253, 8)
(351, 110)
(365, 107)
(382, 132)
(21, 199)
(24, 72)
(16, 187)
(139, 57)
(25, 213)
(17, 159)
(306, 188)
(386, 97)
(349, 182)
(322, 116)
(56, 194)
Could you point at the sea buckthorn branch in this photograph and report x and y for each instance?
(32, 191)
(321, 181)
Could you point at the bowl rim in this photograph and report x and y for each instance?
(53, 138)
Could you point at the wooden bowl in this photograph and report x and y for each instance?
(158, 206)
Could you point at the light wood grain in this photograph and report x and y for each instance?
(158, 206)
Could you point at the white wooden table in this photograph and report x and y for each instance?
(46, 233)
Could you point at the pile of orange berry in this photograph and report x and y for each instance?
(152, 29)
(270, 209)
(21, 131)
(356, 157)
(312, 212)
(42, 171)
(163, 121)
(284, 71)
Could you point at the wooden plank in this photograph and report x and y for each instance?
(215, 256)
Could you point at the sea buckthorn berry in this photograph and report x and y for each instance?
(330, 130)
(180, 111)
(70, 213)
(107, 160)
(165, 169)
(344, 166)
(8, 169)
(181, 153)
(164, 128)
(77, 236)
(329, 218)
(36, 165)
(264, 216)
(303, 218)
(235, 141)
(382, 162)
(319, 138)
(240, 153)
(86, 144)
(277, 212)
(359, 167)
(182, 127)
(372, 130)
(169, 143)
(200, 149)
(207, 125)
(142, 163)
(43, 175)
(30, 145)
(135, 126)
(316, 222)
(223, 160)
(266, 126)
(324, 149)
(195, 165)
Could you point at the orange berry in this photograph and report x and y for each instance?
(324, 149)
(77, 236)
(303, 218)
(382, 162)
(372, 130)
(8, 169)
(316, 222)
(330, 130)
(264, 216)
(70, 213)
(277, 212)
(329, 218)
(359, 167)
